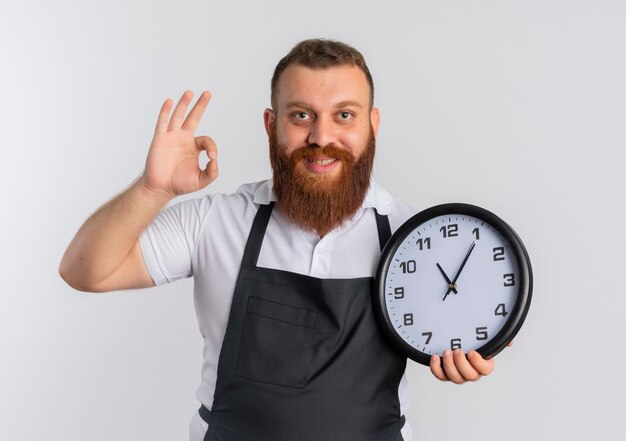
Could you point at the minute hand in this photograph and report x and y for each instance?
(458, 273)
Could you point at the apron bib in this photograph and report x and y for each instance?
(303, 359)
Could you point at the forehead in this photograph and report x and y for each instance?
(322, 87)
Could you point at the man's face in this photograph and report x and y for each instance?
(322, 142)
(320, 107)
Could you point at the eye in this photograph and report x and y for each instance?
(345, 115)
(301, 116)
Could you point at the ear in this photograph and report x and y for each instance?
(375, 120)
(269, 116)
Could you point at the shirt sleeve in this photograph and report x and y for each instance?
(169, 243)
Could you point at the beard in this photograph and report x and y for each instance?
(320, 202)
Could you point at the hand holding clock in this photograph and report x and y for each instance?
(458, 368)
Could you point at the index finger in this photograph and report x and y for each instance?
(193, 119)
(164, 116)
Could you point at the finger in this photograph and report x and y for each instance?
(210, 172)
(482, 366)
(179, 111)
(510, 344)
(164, 116)
(193, 119)
(464, 367)
(207, 144)
(450, 368)
(436, 369)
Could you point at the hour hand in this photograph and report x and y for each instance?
(451, 286)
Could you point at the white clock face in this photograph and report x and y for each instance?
(451, 283)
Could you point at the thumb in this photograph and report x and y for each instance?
(209, 174)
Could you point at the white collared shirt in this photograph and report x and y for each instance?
(205, 238)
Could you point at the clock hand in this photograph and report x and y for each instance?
(464, 262)
(445, 276)
(458, 273)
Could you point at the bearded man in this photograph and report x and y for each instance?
(282, 268)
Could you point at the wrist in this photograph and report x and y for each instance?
(158, 196)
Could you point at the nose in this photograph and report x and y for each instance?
(322, 132)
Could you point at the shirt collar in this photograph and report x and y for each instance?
(377, 196)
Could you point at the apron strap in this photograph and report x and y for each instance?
(384, 230)
(257, 233)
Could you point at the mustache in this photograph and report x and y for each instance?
(313, 151)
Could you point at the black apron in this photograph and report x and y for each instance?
(303, 359)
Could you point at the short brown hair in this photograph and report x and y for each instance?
(320, 53)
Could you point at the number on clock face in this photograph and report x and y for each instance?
(451, 284)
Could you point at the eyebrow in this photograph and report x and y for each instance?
(347, 103)
(298, 104)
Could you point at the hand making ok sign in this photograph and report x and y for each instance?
(172, 165)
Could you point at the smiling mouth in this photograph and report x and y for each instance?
(321, 161)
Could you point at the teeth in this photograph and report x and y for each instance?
(323, 162)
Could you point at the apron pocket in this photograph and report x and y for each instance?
(276, 343)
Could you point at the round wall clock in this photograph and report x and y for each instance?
(453, 276)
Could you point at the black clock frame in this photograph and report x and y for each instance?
(515, 317)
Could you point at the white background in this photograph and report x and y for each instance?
(518, 106)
